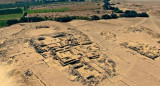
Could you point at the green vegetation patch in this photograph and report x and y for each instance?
(11, 16)
(3, 23)
(47, 10)
(11, 11)
(19, 4)
(70, 18)
(5, 18)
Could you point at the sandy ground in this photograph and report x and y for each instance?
(132, 43)
(5, 79)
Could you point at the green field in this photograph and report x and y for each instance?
(3, 23)
(10, 16)
(47, 10)
(5, 18)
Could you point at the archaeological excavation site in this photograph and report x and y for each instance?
(79, 43)
(74, 50)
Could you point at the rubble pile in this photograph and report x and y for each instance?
(143, 49)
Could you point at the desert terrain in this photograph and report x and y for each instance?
(115, 52)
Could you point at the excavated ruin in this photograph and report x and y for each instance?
(151, 52)
(72, 48)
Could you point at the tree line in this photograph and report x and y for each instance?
(70, 18)
(24, 19)
(128, 13)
